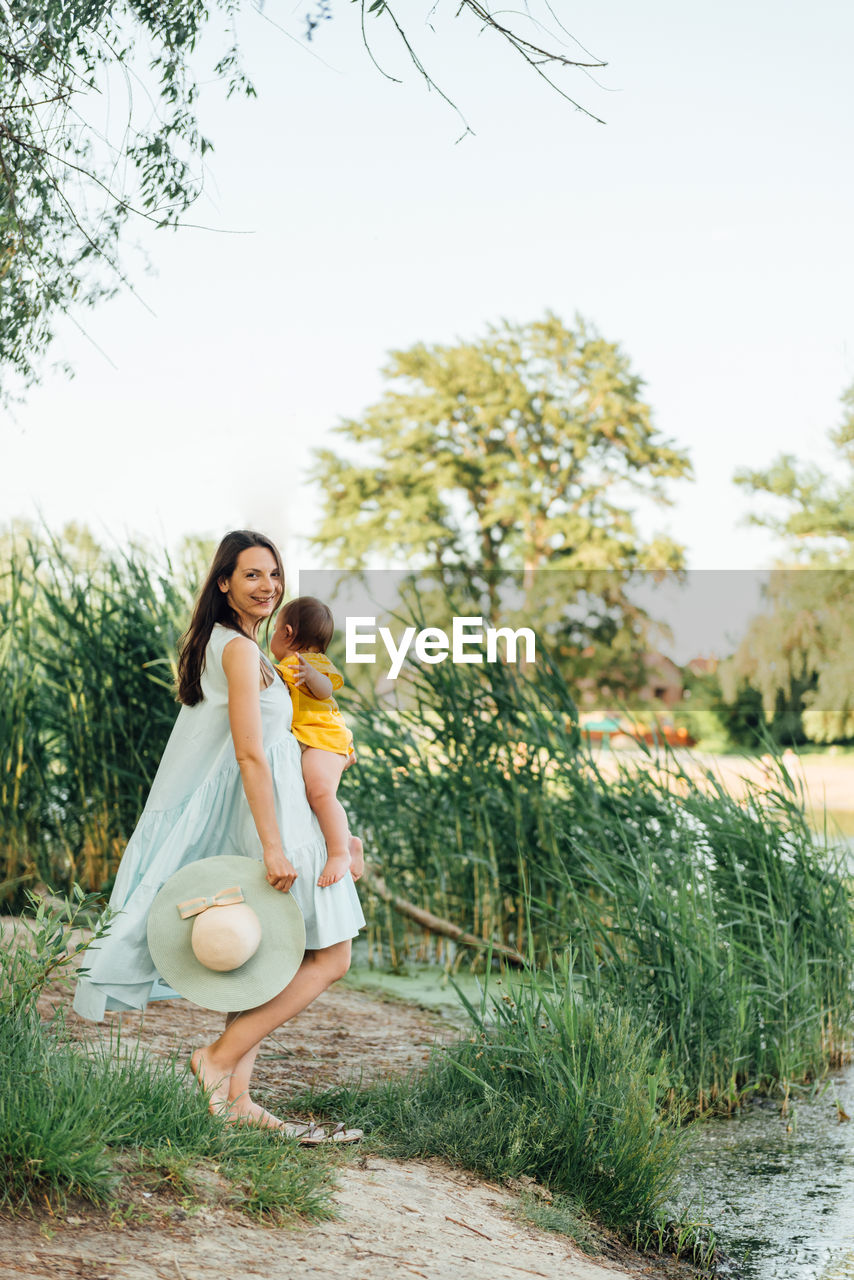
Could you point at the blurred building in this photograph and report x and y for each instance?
(664, 682)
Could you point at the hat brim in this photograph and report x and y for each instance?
(263, 975)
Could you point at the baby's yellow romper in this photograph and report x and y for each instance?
(317, 722)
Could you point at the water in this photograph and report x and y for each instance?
(424, 984)
(779, 1191)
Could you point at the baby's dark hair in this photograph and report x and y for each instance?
(311, 621)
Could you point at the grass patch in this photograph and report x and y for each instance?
(74, 1123)
(563, 1216)
(78, 1122)
(550, 1087)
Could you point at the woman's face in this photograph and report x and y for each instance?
(254, 588)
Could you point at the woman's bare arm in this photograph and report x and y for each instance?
(241, 666)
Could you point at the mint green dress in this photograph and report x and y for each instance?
(197, 808)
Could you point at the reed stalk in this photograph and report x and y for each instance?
(87, 652)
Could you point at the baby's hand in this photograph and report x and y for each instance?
(303, 670)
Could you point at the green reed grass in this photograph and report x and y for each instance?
(24, 750)
(87, 651)
(721, 924)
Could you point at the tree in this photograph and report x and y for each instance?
(514, 454)
(70, 179)
(798, 657)
(799, 654)
(519, 450)
(818, 508)
(545, 59)
(67, 187)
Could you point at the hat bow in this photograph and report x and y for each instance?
(224, 898)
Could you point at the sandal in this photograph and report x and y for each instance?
(312, 1135)
(340, 1134)
(308, 1135)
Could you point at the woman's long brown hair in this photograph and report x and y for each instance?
(212, 607)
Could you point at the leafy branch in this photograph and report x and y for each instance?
(56, 937)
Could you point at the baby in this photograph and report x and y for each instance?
(303, 631)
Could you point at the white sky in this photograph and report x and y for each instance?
(706, 227)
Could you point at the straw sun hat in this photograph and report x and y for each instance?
(222, 936)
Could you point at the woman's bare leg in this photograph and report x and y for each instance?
(240, 1105)
(225, 1066)
(321, 771)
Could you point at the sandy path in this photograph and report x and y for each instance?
(343, 1034)
(397, 1220)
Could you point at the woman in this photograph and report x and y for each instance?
(230, 781)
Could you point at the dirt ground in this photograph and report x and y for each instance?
(395, 1218)
(342, 1034)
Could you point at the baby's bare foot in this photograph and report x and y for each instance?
(214, 1083)
(337, 866)
(357, 859)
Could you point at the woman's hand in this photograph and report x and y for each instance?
(280, 872)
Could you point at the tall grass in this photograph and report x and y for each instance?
(457, 791)
(548, 1086)
(24, 749)
(553, 1087)
(719, 923)
(87, 650)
